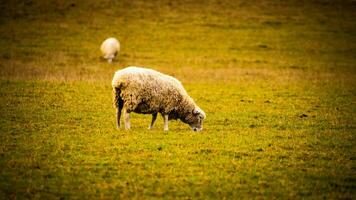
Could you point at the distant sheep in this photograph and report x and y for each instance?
(147, 91)
(110, 48)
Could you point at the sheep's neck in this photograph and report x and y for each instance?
(185, 109)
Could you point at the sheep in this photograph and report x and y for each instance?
(146, 91)
(110, 48)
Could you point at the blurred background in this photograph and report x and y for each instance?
(61, 39)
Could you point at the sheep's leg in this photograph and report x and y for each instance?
(165, 122)
(127, 119)
(119, 104)
(118, 111)
(111, 58)
(118, 116)
(154, 117)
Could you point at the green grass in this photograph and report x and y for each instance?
(275, 78)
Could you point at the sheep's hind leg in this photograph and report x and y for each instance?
(165, 122)
(118, 115)
(154, 117)
(119, 105)
(127, 119)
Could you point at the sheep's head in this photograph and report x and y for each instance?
(195, 119)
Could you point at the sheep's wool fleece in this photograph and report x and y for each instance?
(148, 91)
(110, 47)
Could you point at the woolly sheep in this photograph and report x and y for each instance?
(147, 91)
(110, 48)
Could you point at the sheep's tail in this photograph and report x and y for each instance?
(117, 85)
(118, 102)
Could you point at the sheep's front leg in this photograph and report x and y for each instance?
(127, 119)
(154, 117)
(165, 122)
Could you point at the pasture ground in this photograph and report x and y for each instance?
(275, 78)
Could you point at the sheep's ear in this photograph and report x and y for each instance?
(196, 111)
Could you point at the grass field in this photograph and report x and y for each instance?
(277, 80)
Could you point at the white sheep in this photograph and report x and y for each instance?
(147, 91)
(110, 48)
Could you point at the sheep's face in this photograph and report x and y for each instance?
(195, 119)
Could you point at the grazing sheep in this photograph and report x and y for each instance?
(110, 48)
(147, 91)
